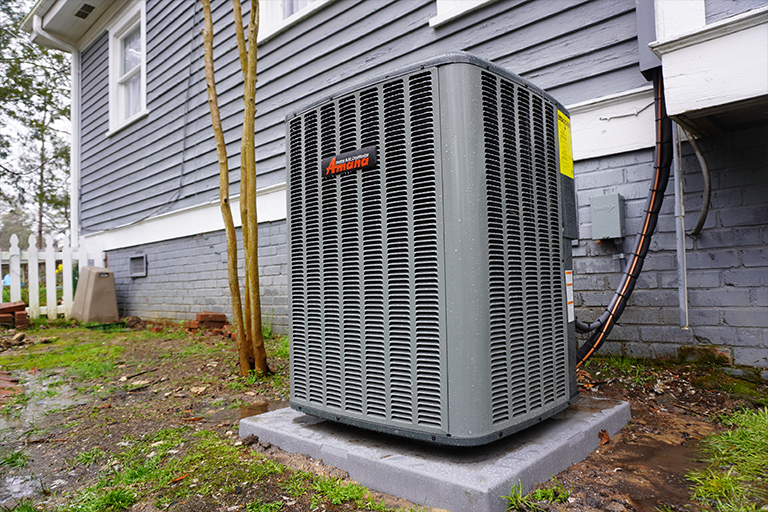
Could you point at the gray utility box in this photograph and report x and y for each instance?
(607, 216)
(428, 226)
(95, 298)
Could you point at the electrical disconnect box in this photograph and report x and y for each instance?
(607, 216)
(430, 213)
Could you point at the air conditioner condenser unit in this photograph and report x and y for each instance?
(430, 214)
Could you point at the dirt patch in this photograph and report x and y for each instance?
(151, 381)
(643, 468)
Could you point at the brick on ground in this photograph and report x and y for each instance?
(211, 325)
(12, 307)
(21, 320)
(209, 316)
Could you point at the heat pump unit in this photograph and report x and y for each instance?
(430, 214)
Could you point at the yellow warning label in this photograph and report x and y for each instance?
(566, 150)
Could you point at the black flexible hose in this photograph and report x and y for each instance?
(707, 185)
(662, 161)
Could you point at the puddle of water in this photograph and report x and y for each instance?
(17, 487)
(658, 471)
(244, 411)
(46, 393)
(255, 410)
(236, 414)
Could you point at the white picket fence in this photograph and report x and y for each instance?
(29, 260)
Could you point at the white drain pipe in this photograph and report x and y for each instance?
(682, 273)
(74, 114)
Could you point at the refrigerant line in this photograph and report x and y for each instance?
(662, 162)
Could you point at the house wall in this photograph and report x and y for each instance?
(576, 50)
(188, 275)
(727, 263)
(717, 10)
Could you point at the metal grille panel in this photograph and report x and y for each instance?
(364, 266)
(528, 341)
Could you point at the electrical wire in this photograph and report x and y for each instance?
(707, 185)
(662, 162)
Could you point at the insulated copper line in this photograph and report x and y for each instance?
(604, 324)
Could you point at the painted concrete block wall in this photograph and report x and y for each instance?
(727, 263)
(189, 275)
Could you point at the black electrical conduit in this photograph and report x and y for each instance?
(662, 161)
(707, 185)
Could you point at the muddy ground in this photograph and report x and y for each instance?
(171, 379)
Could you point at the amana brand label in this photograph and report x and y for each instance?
(566, 150)
(358, 160)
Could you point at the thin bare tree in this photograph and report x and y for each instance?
(247, 314)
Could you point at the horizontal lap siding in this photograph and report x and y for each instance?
(575, 49)
(166, 161)
(717, 10)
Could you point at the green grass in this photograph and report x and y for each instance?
(22, 506)
(518, 500)
(14, 459)
(337, 492)
(735, 387)
(14, 405)
(273, 506)
(735, 479)
(89, 457)
(112, 499)
(298, 484)
(278, 347)
(86, 358)
(636, 371)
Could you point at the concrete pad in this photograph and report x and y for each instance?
(457, 479)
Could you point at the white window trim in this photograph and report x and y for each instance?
(292, 20)
(271, 205)
(135, 13)
(449, 10)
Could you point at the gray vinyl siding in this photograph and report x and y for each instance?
(574, 49)
(717, 10)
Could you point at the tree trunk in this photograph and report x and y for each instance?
(248, 58)
(244, 347)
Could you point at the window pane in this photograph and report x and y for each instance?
(131, 50)
(131, 91)
(293, 6)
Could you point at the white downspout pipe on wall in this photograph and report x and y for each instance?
(682, 269)
(74, 113)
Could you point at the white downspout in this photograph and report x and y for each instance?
(682, 270)
(74, 113)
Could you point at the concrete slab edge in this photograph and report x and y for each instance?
(468, 479)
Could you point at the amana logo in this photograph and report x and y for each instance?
(360, 159)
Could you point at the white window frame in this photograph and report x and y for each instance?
(272, 22)
(449, 10)
(132, 16)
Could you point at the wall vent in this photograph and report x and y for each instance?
(84, 11)
(427, 291)
(138, 265)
